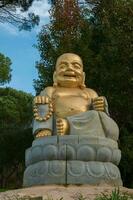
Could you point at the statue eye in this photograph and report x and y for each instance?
(62, 66)
(77, 66)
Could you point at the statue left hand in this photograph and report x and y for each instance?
(99, 104)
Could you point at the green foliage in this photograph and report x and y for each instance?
(17, 197)
(102, 36)
(23, 4)
(15, 134)
(126, 146)
(5, 69)
(3, 189)
(116, 195)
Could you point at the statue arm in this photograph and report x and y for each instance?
(43, 114)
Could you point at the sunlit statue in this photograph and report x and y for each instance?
(75, 138)
(74, 108)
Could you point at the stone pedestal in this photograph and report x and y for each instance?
(72, 159)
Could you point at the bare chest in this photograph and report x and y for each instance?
(68, 102)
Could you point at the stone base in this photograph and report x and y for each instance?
(72, 159)
(72, 172)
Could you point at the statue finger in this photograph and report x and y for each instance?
(46, 100)
(60, 125)
(98, 100)
(43, 99)
(101, 98)
(60, 131)
(38, 99)
(99, 108)
(98, 104)
(59, 120)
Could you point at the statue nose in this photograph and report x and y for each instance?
(70, 67)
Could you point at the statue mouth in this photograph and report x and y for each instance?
(70, 75)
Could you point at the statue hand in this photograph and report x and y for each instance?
(41, 100)
(99, 103)
(62, 126)
(43, 133)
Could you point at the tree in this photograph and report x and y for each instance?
(112, 44)
(5, 69)
(8, 14)
(102, 35)
(15, 135)
(23, 4)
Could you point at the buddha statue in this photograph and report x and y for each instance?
(76, 109)
(75, 137)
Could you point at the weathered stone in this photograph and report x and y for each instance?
(45, 172)
(28, 157)
(72, 172)
(94, 173)
(80, 151)
(45, 140)
(85, 139)
(68, 139)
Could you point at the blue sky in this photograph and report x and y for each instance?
(18, 46)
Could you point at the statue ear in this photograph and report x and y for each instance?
(83, 82)
(54, 79)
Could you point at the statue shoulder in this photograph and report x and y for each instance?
(91, 93)
(48, 91)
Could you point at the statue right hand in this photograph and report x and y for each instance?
(41, 100)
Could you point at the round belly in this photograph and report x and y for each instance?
(68, 106)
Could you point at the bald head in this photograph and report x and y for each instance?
(69, 57)
(69, 71)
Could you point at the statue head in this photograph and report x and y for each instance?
(69, 71)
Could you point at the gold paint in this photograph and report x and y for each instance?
(69, 71)
(46, 99)
(43, 133)
(40, 119)
(37, 118)
(35, 114)
(50, 105)
(43, 100)
(35, 110)
(47, 117)
(69, 94)
(51, 110)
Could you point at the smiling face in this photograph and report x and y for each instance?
(69, 70)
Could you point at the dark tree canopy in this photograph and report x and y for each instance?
(5, 69)
(8, 14)
(23, 4)
(15, 134)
